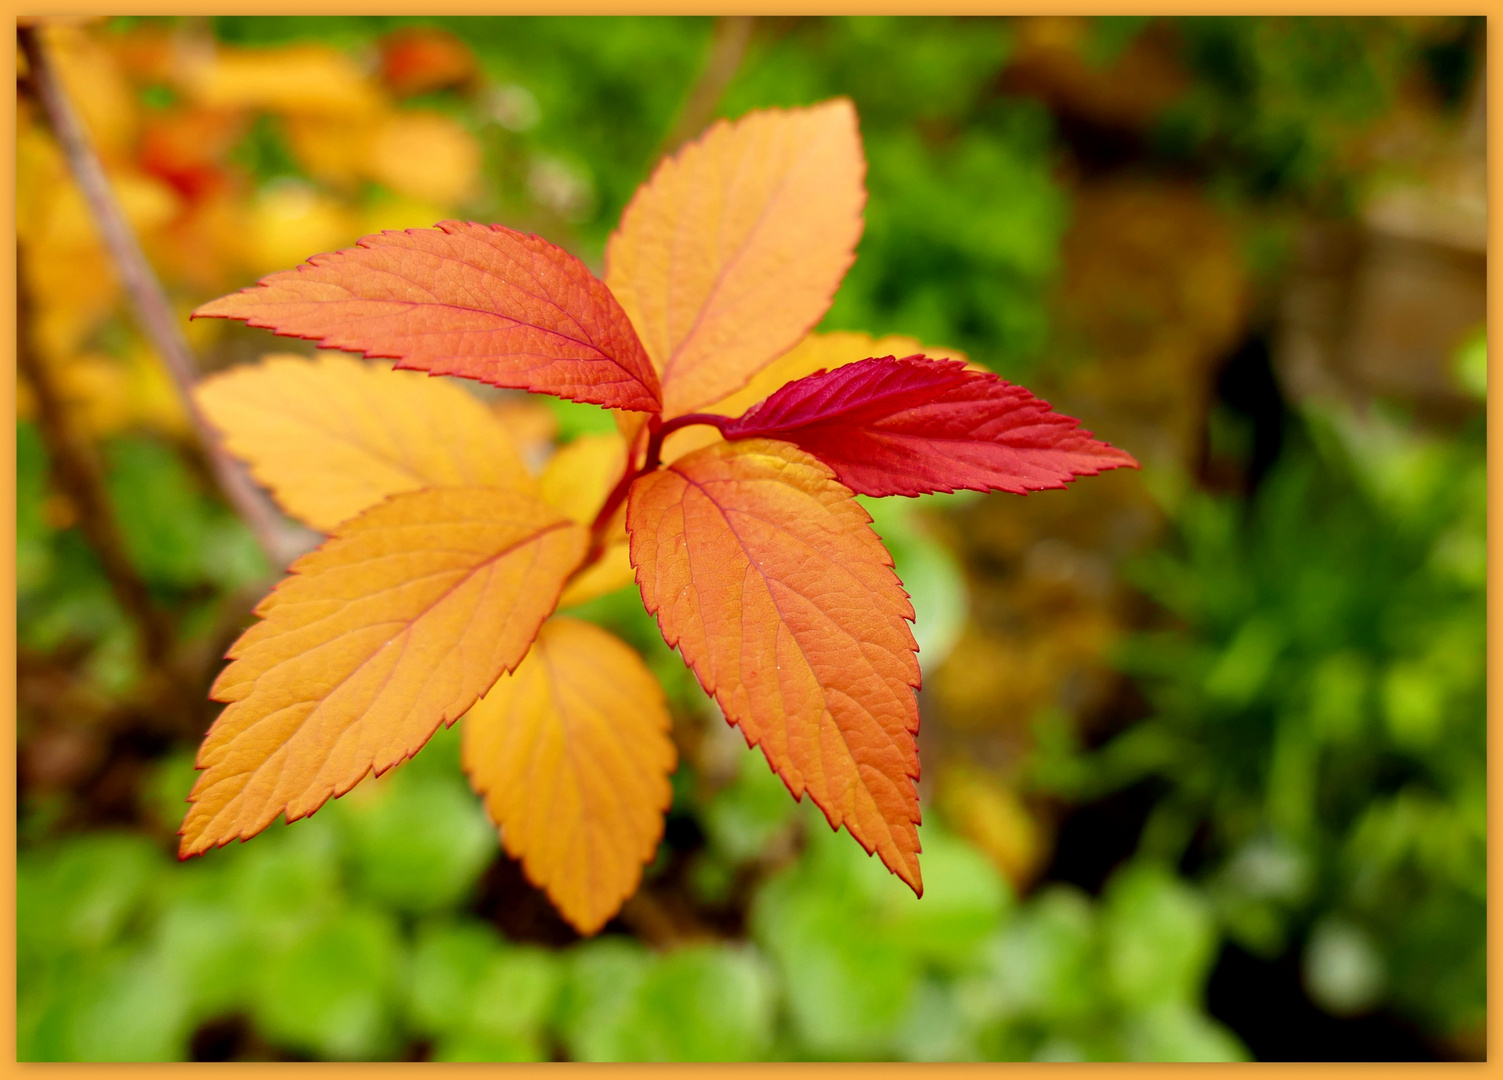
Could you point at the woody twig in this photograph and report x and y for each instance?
(280, 542)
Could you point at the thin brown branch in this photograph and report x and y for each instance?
(660, 925)
(280, 542)
(77, 476)
(727, 50)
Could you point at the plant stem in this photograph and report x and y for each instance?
(76, 475)
(728, 45)
(657, 432)
(279, 542)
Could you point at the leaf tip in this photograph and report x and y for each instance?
(213, 309)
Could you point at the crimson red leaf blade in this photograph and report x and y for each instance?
(479, 301)
(915, 426)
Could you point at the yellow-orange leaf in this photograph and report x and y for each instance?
(572, 754)
(815, 352)
(765, 572)
(577, 480)
(394, 626)
(612, 572)
(581, 474)
(333, 436)
(735, 247)
(301, 79)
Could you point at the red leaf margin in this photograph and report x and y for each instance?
(479, 301)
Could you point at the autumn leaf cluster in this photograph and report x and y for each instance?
(728, 496)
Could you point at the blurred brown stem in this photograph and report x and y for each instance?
(76, 474)
(280, 543)
(727, 50)
(656, 924)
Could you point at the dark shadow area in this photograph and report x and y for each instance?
(1264, 1002)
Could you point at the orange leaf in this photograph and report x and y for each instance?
(572, 754)
(391, 628)
(766, 573)
(332, 436)
(735, 247)
(479, 301)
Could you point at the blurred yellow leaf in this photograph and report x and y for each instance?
(389, 210)
(613, 571)
(96, 86)
(532, 425)
(39, 171)
(72, 290)
(334, 149)
(288, 220)
(67, 221)
(108, 394)
(426, 156)
(297, 80)
(579, 477)
(989, 814)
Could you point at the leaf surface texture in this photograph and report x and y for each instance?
(392, 627)
(332, 436)
(734, 248)
(817, 352)
(913, 426)
(765, 572)
(572, 754)
(480, 301)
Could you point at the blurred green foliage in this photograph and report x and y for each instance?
(1275, 100)
(963, 221)
(346, 936)
(1319, 715)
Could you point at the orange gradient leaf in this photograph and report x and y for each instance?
(734, 248)
(766, 573)
(572, 754)
(333, 436)
(394, 626)
(480, 301)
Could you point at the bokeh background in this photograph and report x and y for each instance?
(1203, 745)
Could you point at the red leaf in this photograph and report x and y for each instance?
(914, 426)
(480, 301)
